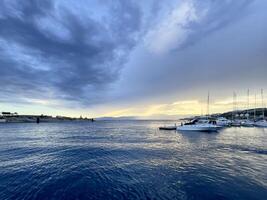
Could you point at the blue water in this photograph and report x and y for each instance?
(130, 160)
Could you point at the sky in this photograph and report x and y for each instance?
(151, 59)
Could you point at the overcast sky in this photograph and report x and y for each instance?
(130, 58)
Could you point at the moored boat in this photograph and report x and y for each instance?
(223, 122)
(168, 128)
(236, 123)
(2, 120)
(247, 123)
(201, 127)
(261, 123)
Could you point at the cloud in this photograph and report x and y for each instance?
(213, 45)
(56, 50)
(189, 21)
(123, 53)
(170, 31)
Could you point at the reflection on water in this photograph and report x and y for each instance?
(130, 160)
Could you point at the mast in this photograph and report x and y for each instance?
(208, 105)
(248, 106)
(263, 114)
(234, 106)
(255, 107)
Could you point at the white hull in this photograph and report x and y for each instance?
(236, 123)
(2, 120)
(199, 127)
(261, 124)
(247, 124)
(223, 122)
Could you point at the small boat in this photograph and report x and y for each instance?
(168, 128)
(2, 120)
(247, 123)
(236, 123)
(223, 122)
(200, 127)
(261, 123)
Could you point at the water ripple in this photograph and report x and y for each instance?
(130, 160)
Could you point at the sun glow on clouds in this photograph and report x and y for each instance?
(173, 109)
(186, 108)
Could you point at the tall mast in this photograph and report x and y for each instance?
(234, 106)
(255, 107)
(248, 106)
(208, 105)
(263, 114)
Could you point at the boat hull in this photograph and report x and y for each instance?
(2, 120)
(208, 128)
(168, 128)
(248, 125)
(262, 124)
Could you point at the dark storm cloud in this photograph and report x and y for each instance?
(64, 50)
(52, 51)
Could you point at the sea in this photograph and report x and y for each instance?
(130, 160)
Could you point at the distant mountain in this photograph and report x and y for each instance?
(117, 118)
(150, 117)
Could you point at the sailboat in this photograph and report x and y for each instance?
(200, 125)
(263, 122)
(247, 122)
(235, 123)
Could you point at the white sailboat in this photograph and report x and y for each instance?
(247, 122)
(263, 122)
(235, 123)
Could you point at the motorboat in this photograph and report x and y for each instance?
(194, 125)
(2, 120)
(236, 123)
(223, 122)
(261, 123)
(247, 123)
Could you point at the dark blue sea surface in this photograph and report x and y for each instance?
(130, 160)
